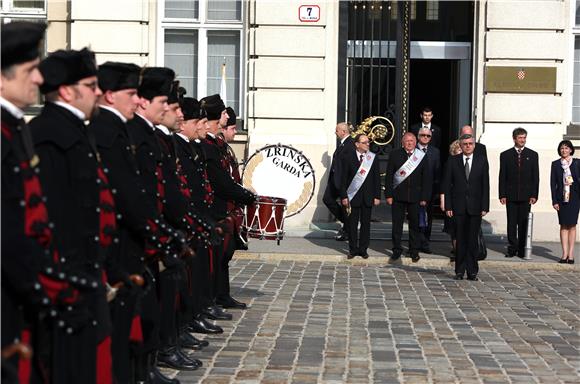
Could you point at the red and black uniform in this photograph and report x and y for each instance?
(81, 205)
(184, 216)
(139, 224)
(226, 190)
(33, 284)
(194, 174)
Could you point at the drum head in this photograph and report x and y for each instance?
(281, 171)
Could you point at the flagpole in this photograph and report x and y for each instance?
(223, 86)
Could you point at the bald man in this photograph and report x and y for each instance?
(480, 149)
(344, 146)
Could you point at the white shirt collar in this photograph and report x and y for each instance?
(197, 141)
(343, 139)
(470, 158)
(421, 146)
(425, 125)
(75, 111)
(111, 109)
(360, 153)
(183, 136)
(146, 120)
(520, 149)
(164, 129)
(211, 135)
(13, 109)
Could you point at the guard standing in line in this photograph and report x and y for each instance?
(153, 93)
(235, 211)
(80, 203)
(137, 214)
(193, 163)
(226, 189)
(33, 284)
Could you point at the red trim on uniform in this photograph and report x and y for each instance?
(104, 362)
(160, 189)
(136, 333)
(227, 238)
(52, 288)
(24, 365)
(6, 131)
(107, 218)
(210, 252)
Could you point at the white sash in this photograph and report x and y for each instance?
(406, 169)
(361, 175)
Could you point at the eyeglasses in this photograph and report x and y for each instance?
(467, 143)
(92, 86)
(424, 135)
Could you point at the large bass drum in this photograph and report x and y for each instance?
(281, 171)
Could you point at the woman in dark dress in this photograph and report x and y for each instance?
(565, 186)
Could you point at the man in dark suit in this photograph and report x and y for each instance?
(360, 189)
(332, 191)
(433, 158)
(407, 186)
(426, 117)
(519, 180)
(466, 189)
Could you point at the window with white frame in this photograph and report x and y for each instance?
(23, 9)
(200, 37)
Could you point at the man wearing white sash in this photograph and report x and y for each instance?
(407, 185)
(360, 189)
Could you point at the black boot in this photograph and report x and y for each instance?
(155, 375)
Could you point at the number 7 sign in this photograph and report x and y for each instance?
(309, 13)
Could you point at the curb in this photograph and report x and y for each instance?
(403, 261)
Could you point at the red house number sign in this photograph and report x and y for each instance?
(309, 13)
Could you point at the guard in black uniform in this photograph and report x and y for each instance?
(153, 93)
(193, 163)
(226, 189)
(33, 284)
(80, 203)
(139, 221)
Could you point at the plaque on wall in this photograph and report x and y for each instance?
(520, 79)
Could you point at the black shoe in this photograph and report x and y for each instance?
(201, 325)
(170, 358)
(230, 302)
(511, 253)
(156, 377)
(415, 257)
(472, 278)
(458, 276)
(352, 255)
(396, 255)
(452, 259)
(186, 340)
(214, 312)
(364, 254)
(563, 261)
(426, 250)
(570, 261)
(341, 237)
(187, 358)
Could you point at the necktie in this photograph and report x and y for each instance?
(467, 170)
(519, 157)
(360, 160)
(409, 154)
(425, 149)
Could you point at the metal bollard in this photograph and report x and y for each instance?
(528, 252)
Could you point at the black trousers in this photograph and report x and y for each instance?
(359, 242)
(399, 208)
(425, 233)
(468, 227)
(229, 247)
(517, 226)
(330, 200)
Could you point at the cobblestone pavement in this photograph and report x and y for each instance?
(332, 322)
